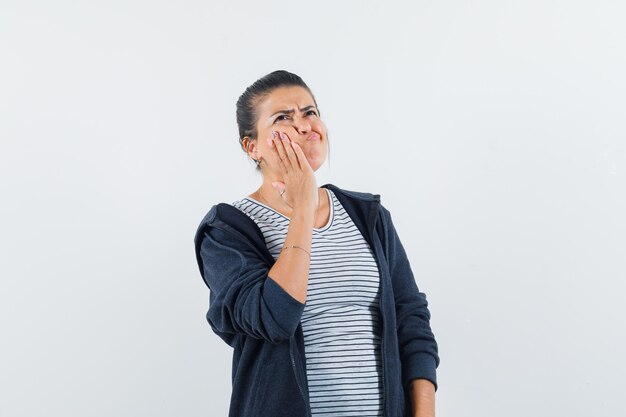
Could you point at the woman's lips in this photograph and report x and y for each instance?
(314, 136)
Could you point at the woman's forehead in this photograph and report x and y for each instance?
(284, 98)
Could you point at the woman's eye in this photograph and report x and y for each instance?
(283, 116)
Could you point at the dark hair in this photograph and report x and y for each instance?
(247, 103)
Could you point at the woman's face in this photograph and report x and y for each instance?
(290, 110)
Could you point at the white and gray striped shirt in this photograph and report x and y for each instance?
(341, 318)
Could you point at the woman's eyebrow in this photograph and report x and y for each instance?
(290, 111)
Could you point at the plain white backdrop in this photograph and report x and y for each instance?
(493, 130)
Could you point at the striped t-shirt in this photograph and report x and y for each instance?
(341, 318)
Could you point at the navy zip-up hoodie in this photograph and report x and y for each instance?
(261, 321)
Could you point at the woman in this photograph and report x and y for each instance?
(311, 285)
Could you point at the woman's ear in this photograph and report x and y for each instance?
(249, 146)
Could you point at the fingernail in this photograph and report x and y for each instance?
(283, 136)
(273, 134)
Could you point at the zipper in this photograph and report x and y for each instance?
(295, 371)
(382, 348)
(372, 221)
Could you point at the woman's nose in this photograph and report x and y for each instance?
(301, 125)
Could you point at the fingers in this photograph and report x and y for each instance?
(304, 163)
(287, 143)
(284, 153)
(279, 151)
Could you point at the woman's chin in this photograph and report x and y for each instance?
(315, 163)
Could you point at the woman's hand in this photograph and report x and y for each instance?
(298, 178)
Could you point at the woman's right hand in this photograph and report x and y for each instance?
(298, 178)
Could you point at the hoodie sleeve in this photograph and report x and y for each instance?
(418, 348)
(244, 299)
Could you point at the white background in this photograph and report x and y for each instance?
(493, 130)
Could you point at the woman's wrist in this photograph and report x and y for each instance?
(296, 247)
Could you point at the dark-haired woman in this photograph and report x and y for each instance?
(311, 285)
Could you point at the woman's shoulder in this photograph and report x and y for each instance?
(229, 222)
(224, 211)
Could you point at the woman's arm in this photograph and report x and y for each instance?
(244, 298)
(423, 398)
(291, 269)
